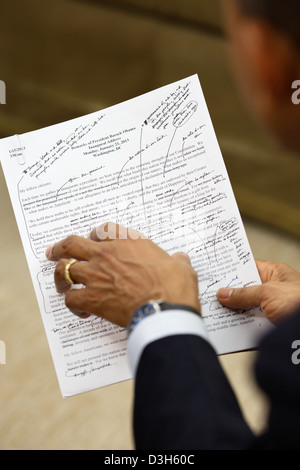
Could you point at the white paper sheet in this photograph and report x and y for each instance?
(153, 164)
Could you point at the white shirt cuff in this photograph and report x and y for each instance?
(161, 325)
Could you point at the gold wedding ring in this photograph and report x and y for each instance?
(67, 272)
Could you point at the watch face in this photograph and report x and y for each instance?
(146, 310)
(143, 312)
(140, 315)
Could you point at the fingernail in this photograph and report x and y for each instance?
(185, 255)
(225, 293)
(48, 252)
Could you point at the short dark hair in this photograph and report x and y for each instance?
(281, 14)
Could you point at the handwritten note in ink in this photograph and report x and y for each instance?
(153, 164)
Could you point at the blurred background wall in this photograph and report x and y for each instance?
(64, 58)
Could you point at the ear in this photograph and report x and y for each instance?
(272, 62)
(267, 64)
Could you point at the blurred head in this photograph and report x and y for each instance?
(265, 44)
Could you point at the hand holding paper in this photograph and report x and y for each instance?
(153, 165)
(120, 276)
(278, 295)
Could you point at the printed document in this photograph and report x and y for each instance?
(153, 164)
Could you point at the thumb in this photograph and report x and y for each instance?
(245, 297)
(182, 257)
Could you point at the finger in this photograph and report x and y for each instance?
(76, 273)
(245, 297)
(72, 247)
(182, 257)
(112, 231)
(75, 301)
(265, 269)
(86, 302)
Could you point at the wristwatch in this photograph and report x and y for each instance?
(152, 307)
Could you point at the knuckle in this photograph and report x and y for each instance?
(74, 302)
(60, 268)
(107, 250)
(265, 290)
(272, 266)
(68, 300)
(69, 243)
(240, 292)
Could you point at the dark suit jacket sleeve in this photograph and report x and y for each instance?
(183, 399)
(278, 374)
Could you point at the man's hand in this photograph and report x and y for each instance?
(278, 296)
(120, 274)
